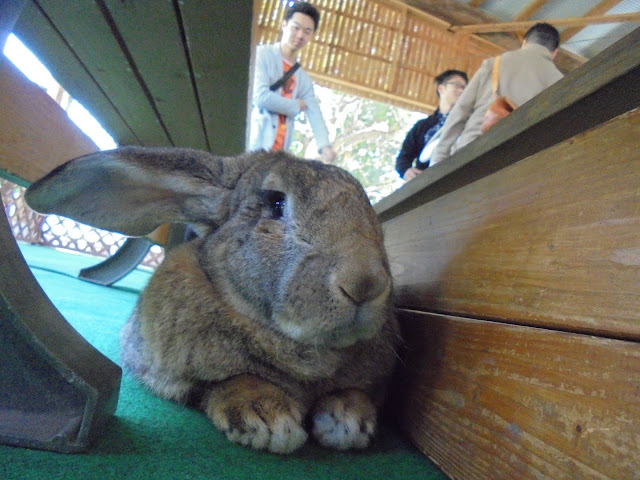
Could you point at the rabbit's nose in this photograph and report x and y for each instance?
(362, 284)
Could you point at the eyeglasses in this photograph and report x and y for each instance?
(458, 85)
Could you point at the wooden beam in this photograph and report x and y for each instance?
(600, 9)
(558, 22)
(370, 92)
(432, 19)
(87, 28)
(451, 11)
(493, 401)
(530, 9)
(552, 241)
(164, 77)
(457, 13)
(36, 135)
(219, 38)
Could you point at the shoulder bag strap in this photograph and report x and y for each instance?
(282, 80)
(495, 74)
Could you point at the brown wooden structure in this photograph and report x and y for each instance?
(517, 269)
(57, 391)
(28, 142)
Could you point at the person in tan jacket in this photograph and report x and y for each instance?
(524, 73)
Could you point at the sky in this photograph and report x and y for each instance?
(35, 71)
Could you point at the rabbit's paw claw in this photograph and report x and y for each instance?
(280, 434)
(257, 414)
(345, 420)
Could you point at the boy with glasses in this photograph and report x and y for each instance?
(423, 136)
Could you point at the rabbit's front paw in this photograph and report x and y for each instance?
(255, 413)
(344, 420)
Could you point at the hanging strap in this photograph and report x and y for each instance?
(495, 74)
(282, 80)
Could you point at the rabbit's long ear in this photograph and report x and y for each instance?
(133, 190)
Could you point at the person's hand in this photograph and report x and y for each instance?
(411, 173)
(327, 154)
(303, 104)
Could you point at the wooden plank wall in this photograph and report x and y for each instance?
(552, 241)
(519, 289)
(489, 401)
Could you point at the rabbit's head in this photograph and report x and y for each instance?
(291, 243)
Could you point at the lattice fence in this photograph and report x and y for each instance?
(60, 232)
(379, 49)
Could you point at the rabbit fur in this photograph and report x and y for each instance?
(277, 321)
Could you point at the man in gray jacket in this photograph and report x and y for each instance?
(524, 73)
(273, 112)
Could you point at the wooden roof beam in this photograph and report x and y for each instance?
(559, 22)
(600, 9)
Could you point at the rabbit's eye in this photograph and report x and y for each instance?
(275, 202)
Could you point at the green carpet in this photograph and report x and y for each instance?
(151, 438)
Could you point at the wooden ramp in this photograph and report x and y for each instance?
(517, 271)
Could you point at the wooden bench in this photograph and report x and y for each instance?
(517, 270)
(185, 97)
(57, 391)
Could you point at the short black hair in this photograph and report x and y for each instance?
(304, 8)
(543, 34)
(446, 75)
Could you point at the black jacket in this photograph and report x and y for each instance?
(414, 143)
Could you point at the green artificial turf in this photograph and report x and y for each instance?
(151, 438)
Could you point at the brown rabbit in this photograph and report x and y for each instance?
(278, 317)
